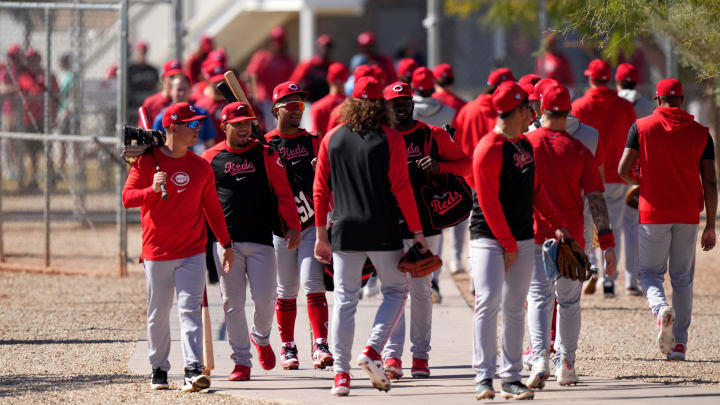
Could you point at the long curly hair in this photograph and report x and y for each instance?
(362, 115)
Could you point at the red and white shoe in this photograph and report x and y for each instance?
(289, 357)
(527, 358)
(371, 362)
(341, 386)
(565, 374)
(266, 356)
(420, 368)
(678, 353)
(321, 355)
(393, 368)
(240, 373)
(665, 337)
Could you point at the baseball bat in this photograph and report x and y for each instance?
(226, 92)
(145, 121)
(239, 94)
(208, 356)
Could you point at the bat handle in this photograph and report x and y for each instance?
(163, 191)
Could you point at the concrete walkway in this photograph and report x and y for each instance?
(451, 357)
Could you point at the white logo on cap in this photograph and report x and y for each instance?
(364, 95)
(672, 91)
(275, 95)
(293, 86)
(518, 96)
(240, 107)
(192, 108)
(224, 117)
(173, 117)
(398, 88)
(556, 108)
(499, 111)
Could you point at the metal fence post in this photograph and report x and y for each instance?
(46, 143)
(179, 29)
(121, 215)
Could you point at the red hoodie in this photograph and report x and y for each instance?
(473, 121)
(612, 116)
(670, 146)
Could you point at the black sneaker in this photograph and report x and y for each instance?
(609, 289)
(195, 380)
(516, 390)
(159, 380)
(484, 390)
(436, 297)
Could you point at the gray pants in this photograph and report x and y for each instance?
(675, 242)
(254, 263)
(298, 266)
(348, 278)
(496, 289)
(187, 278)
(541, 298)
(625, 218)
(420, 314)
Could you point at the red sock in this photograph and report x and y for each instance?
(318, 314)
(285, 311)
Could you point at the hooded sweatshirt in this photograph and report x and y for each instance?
(643, 106)
(612, 116)
(583, 133)
(670, 147)
(432, 111)
(472, 122)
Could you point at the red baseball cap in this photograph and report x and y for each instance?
(598, 69)
(443, 70)
(529, 89)
(627, 72)
(236, 112)
(397, 89)
(13, 50)
(31, 53)
(529, 78)
(500, 75)
(285, 89)
(669, 87)
(337, 72)
(141, 45)
(206, 43)
(214, 71)
(171, 68)
(367, 88)
(508, 96)
(540, 87)
(180, 112)
(362, 71)
(556, 98)
(423, 79)
(366, 38)
(277, 34)
(324, 40)
(406, 67)
(218, 55)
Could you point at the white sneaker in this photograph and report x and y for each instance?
(540, 371)
(665, 337)
(565, 373)
(377, 375)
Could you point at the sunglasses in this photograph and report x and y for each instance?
(292, 106)
(192, 124)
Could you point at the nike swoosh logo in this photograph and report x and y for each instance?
(296, 162)
(180, 190)
(239, 178)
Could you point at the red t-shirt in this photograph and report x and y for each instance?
(175, 228)
(555, 66)
(155, 104)
(472, 122)
(214, 108)
(271, 69)
(567, 169)
(671, 146)
(321, 110)
(450, 99)
(612, 116)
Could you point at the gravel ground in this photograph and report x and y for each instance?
(617, 338)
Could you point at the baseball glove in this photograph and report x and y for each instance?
(131, 153)
(572, 262)
(632, 197)
(419, 264)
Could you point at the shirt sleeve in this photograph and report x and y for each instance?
(283, 192)
(138, 189)
(487, 167)
(709, 152)
(400, 181)
(212, 208)
(453, 159)
(632, 138)
(321, 183)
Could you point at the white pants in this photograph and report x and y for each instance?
(676, 243)
(623, 218)
(495, 289)
(298, 266)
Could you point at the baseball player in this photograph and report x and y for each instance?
(672, 193)
(441, 156)
(297, 150)
(368, 55)
(244, 168)
(158, 101)
(193, 64)
(567, 169)
(212, 100)
(444, 80)
(501, 241)
(602, 109)
(366, 168)
(321, 109)
(311, 74)
(405, 69)
(173, 241)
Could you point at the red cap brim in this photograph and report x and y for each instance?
(238, 119)
(172, 72)
(303, 93)
(194, 118)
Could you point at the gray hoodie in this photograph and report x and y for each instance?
(432, 112)
(582, 132)
(643, 106)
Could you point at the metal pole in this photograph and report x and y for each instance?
(307, 32)
(46, 142)
(432, 25)
(542, 28)
(121, 215)
(179, 30)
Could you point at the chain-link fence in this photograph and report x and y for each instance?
(61, 93)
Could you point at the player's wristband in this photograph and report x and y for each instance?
(228, 246)
(606, 240)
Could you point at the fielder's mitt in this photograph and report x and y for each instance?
(572, 262)
(632, 197)
(419, 264)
